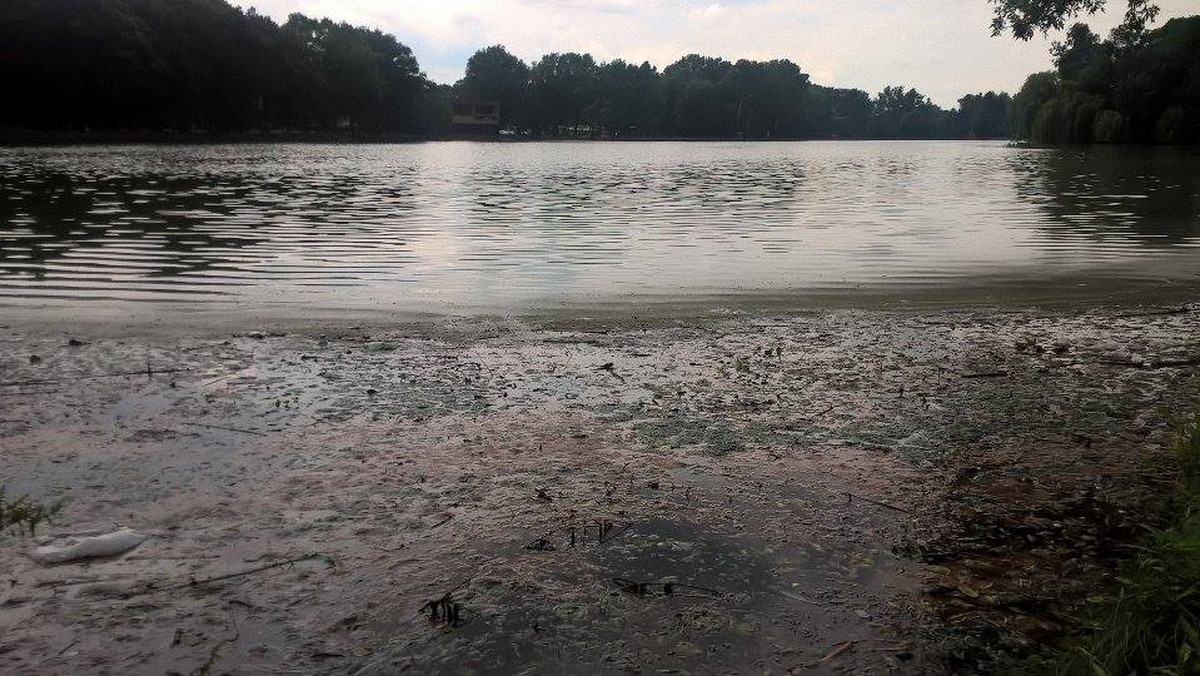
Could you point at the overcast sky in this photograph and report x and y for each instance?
(942, 47)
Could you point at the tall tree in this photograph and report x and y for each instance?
(1101, 92)
(629, 99)
(901, 113)
(493, 74)
(198, 65)
(983, 116)
(561, 85)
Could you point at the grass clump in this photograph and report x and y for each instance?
(1149, 625)
(25, 514)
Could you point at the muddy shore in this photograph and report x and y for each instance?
(837, 490)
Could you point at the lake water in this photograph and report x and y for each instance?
(461, 226)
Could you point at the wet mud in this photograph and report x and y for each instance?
(833, 491)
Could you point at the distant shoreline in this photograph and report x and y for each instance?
(12, 139)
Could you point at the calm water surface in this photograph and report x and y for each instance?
(463, 225)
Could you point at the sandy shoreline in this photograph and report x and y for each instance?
(753, 492)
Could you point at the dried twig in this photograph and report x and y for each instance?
(1149, 364)
(225, 429)
(212, 656)
(1183, 309)
(241, 573)
(51, 381)
(876, 502)
(663, 588)
(838, 650)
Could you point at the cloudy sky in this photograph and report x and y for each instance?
(942, 47)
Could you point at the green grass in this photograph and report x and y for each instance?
(1150, 624)
(24, 514)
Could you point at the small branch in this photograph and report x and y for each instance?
(1183, 309)
(841, 648)
(229, 576)
(52, 381)
(1150, 364)
(212, 656)
(876, 502)
(225, 429)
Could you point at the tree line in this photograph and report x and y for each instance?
(707, 97)
(1135, 86)
(204, 65)
(201, 65)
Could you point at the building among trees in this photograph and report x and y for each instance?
(471, 116)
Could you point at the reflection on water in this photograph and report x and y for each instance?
(505, 224)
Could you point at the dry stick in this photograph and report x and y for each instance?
(841, 648)
(227, 576)
(619, 533)
(1166, 363)
(58, 654)
(51, 381)
(212, 656)
(876, 502)
(986, 374)
(797, 597)
(225, 429)
(1183, 309)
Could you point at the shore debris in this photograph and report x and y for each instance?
(540, 545)
(838, 650)
(24, 513)
(109, 544)
(444, 611)
(851, 496)
(148, 371)
(243, 573)
(225, 429)
(665, 588)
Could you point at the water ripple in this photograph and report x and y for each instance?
(378, 226)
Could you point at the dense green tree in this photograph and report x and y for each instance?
(1156, 86)
(1104, 92)
(1084, 61)
(1038, 90)
(198, 65)
(373, 82)
(707, 72)
(195, 65)
(841, 113)
(900, 113)
(493, 74)
(770, 97)
(560, 87)
(983, 116)
(629, 100)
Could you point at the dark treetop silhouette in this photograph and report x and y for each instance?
(1138, 85)
(203, 65)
